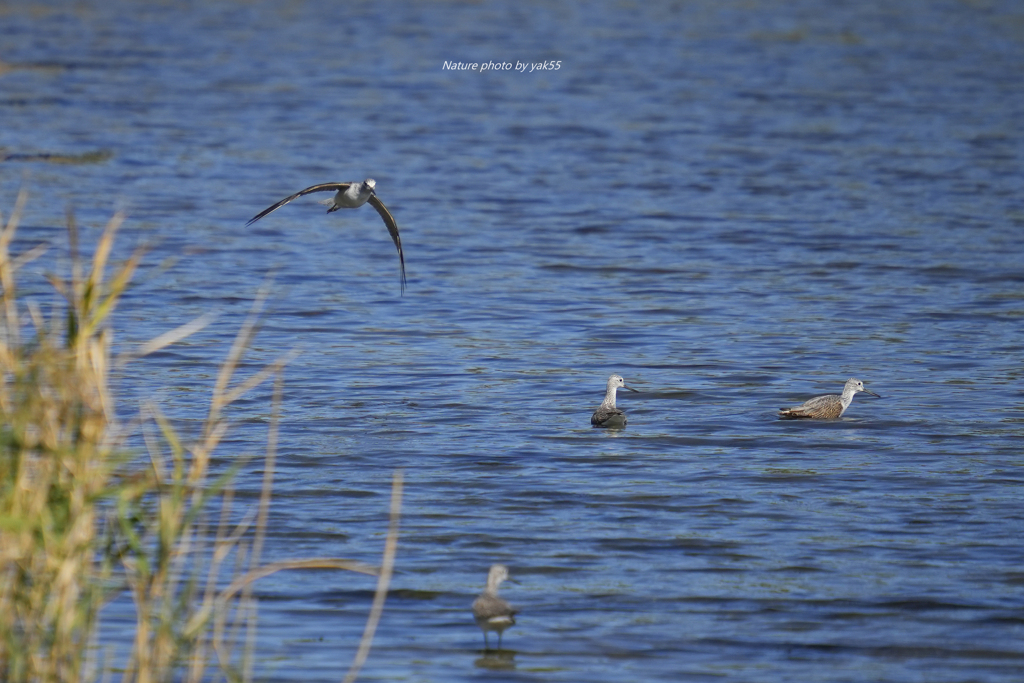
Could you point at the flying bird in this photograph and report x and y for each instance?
(348, 196)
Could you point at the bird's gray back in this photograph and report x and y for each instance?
(608, 417)
(487, 607)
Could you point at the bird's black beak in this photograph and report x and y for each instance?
(635, 391)
(872, 393)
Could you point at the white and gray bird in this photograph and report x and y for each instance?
(828, 407)
(607, 415)
(491, 612)
(348, 196)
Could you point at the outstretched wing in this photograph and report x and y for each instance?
(323, 187)
(389, 221)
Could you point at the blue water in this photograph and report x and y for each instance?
(735, 205)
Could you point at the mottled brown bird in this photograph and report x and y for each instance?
(828, 407)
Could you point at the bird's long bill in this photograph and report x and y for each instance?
(872, 393)
(636, 391)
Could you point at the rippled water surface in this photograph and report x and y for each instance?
(735, 205)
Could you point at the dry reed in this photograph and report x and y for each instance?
(81, 519)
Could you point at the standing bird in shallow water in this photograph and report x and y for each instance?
(349, 196)
(491, 612)
(828, 407)
(607, 415)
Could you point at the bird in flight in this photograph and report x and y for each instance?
(348, 196)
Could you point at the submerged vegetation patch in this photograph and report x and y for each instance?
(94, 157)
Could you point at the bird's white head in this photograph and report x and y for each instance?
(616, 382)
(370, 185)
(856, 385)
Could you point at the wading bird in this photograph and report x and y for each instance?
(828, 407)
(607, 415)
(491, 612)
